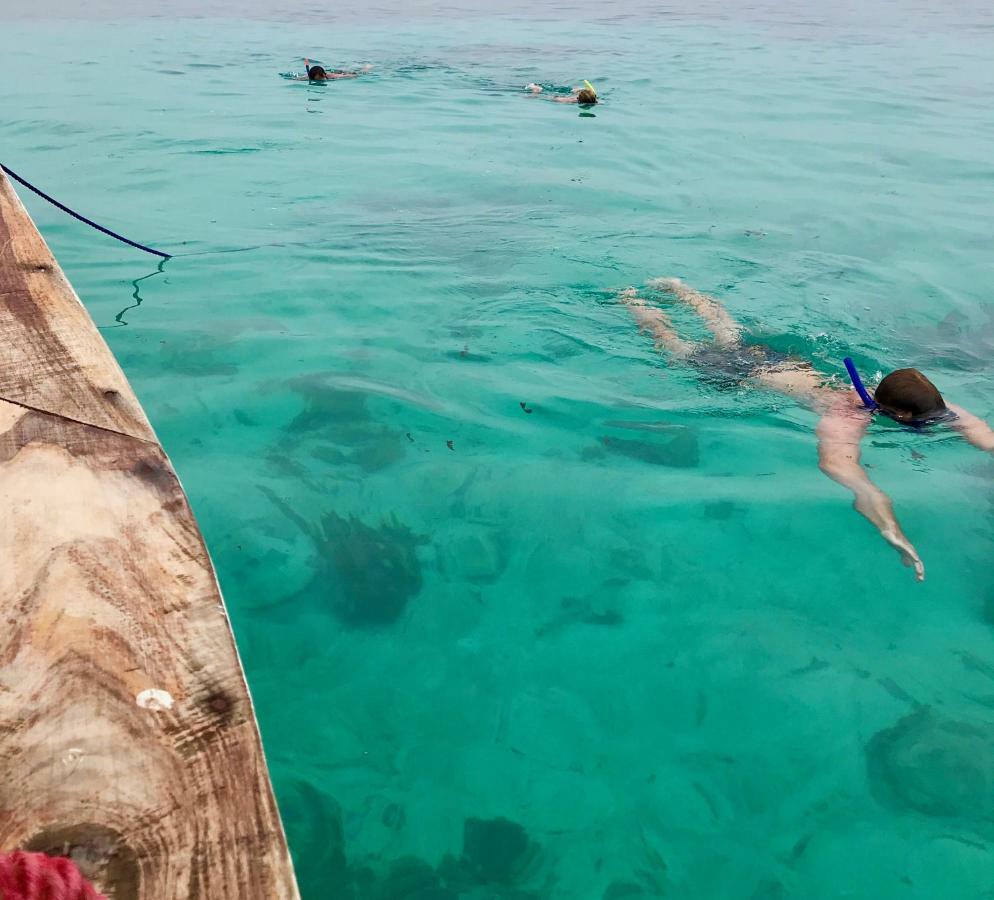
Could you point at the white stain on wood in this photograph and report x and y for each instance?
(127, 736)
(154, 699)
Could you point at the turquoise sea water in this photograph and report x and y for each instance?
(526, 611)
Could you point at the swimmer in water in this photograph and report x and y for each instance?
(904, 395)
(584, 96)
(317, 74)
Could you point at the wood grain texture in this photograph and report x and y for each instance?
(53, 358)
(127, 735)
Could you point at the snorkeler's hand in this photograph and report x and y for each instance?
(909, 556)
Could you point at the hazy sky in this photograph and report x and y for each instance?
(975, 15)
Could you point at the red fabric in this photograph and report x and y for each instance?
(35, 876)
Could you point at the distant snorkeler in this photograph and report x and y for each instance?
(905, 395)
(317, 74)
(585, 96)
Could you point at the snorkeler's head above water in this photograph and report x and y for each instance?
(317, 73)
(587, 96)
(905, 395)
(909, 397)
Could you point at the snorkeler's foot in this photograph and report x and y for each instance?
(630, 296)
(913, 562)
(909, 556)
(667, 285)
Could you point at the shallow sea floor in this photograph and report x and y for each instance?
(528, 612)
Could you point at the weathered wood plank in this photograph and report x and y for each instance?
(53, 358)
(127, 736)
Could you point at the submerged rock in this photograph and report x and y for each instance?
(989, 608)
(722, 510)
(328, 407)
(410, 878)
(197, 354)
(580, 611)
(313, 822)
(338, 416)
(475, 554)
(623, 890)
(769, 889)
(382, 448)
(497, 851)
(936, 767)
(681, 451)
(373, 451)
(243, 418)
(593, 453)
(393, 816)
(497, 862)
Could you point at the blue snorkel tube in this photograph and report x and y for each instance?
(857, 383)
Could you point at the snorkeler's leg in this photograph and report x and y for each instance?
(655, 321)
(727, 332)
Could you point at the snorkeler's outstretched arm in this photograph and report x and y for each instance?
(657, 323)
(839, 434)
(974, 429)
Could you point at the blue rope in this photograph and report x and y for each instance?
(76, 215)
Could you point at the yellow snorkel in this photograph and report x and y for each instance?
(590, 87)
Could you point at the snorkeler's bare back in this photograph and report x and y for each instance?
(330, 76)
(334, 75)
(536, 90)
(802, 382)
